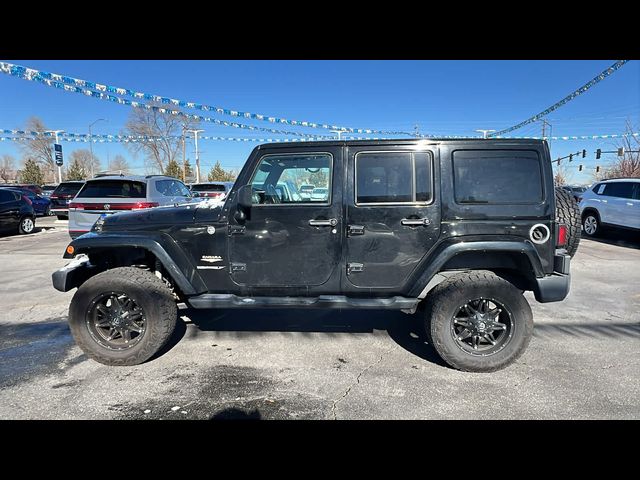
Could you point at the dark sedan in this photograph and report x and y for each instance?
(41, 205)
(16, 212)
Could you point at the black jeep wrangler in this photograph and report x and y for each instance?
(456, 230)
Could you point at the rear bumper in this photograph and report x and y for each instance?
(555, 287)
(72, 274)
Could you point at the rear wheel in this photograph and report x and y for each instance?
(568, 213)
(26, 225)
(122, 316)
(478, 322)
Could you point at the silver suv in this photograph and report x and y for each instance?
(110, 194)
(614, 202)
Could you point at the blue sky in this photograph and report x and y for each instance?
(441, 97)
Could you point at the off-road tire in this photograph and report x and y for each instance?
(446, 298)
(26, 228)
(148, 291)
(568, 213)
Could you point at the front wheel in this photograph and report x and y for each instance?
(122, 316)
(478, 322)
(591, 224)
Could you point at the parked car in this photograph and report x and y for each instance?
(47, 190)
(613, 202)
(451, 230)
(211, 189)
(41, 205)
(16, 212)
(575, 190)
(115, 193)
(29, 186)
(61, 197)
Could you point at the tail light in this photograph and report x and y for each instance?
(112, 206)
(27, 199)
(143, 205)
(563, 233)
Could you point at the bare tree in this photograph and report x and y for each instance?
(627, 165)
(164, 128)
(562, 175)
(40, 148)
(86, 160)
(119, 163)
(7, 168)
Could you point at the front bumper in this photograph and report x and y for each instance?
(555, 287)
(72, 274)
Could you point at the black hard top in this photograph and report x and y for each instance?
(407, 141)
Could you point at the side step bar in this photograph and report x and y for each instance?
(219, 300)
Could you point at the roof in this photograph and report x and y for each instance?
(133, 178)
(621, 179)
(407, 141)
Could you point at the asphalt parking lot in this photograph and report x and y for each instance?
(583, 362)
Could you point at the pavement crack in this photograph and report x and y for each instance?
(348, 390)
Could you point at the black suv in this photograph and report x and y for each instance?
(455, 230)
(62, 195)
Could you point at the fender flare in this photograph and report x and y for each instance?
(165, 249)
(445, 251)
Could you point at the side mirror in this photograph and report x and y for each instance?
(195, 194)
(244, 203)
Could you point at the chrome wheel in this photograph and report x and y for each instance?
(27, 225)
(115, 321)
(482, 327)
(590, 225)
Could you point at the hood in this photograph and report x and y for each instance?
(150, 216)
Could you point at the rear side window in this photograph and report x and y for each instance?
(172, 188)
(6, 196)
(68, 188)
(497, 176)
(393, 177)
(113, 189)
(619, 189)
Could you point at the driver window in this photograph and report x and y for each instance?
(293, 179)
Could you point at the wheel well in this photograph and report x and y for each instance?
(513, 267)
(590, 210)
(109, 258)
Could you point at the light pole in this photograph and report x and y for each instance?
(339, 132)
(195, 133)
(484, 132)
(56, 132)
(91, 143)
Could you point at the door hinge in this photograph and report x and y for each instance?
(354, 268)
(236, 229)
(238, 267)
(355, 230)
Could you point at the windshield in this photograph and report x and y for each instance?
(68, 188)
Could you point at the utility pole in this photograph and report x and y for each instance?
(91, 143)
(339, 132)
(485, 132)
(195, 133)
(184, 156)
(416, 129)
(56, 132)
(544, 124)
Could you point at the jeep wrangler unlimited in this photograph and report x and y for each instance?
(456, 230)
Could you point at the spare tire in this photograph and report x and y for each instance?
(568, 213)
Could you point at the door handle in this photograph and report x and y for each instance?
(415, 221)
(332, 222)
(630, 204)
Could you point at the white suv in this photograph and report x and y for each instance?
(614, 202)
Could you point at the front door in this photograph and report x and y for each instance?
(290, 239)
(393, 215)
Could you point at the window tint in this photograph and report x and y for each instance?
(68, 188)
(113, 189)
(619, 189)
(172, 188)
(6, 196)
(207, 187)
(497, 177)
(636, 193)
(279, 178)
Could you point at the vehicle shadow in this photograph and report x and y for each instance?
(618, 237)
(406, 330)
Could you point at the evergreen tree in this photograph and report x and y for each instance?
(31, 173)
(173, 169)
(219, 174)
(76, 170)
(189, 171)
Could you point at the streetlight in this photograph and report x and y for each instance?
(91, 142)
(339, 132)
(484, 132)
(195, 133)
(56, 132)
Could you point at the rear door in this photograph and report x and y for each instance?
(393, 214)
(620, 203)
(9, 209)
